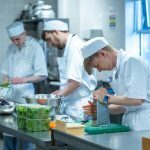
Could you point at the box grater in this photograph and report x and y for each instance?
(103, 117)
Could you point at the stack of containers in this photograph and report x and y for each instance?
(33, 117)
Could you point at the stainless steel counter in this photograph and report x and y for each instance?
(115, 141)
(8, 124)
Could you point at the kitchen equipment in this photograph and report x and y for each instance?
(7, 108)
(112, 128)
(3, 102)
(40, 10)
(100, 117)
(46, 99)
(103, 118)
(43, 11)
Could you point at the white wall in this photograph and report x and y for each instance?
(85, 15)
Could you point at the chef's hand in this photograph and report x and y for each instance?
(89, 109)
(99, 94)
(58, 93)
(18, 80)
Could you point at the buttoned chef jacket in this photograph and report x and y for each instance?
(71, 67)
(29, 60)
(131, 79)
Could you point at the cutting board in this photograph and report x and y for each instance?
(105, 129)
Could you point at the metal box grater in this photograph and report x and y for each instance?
(103, 117)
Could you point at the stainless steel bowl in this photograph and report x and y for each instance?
(7, 109)
(46, 99)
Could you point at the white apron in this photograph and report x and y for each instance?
(20, 69)
(72, 104)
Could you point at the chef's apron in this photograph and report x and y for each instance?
(72, 104)
(20, 69)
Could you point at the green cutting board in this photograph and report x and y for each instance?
(105, 129)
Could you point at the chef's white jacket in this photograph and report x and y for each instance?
(29, 60)
(131, 79)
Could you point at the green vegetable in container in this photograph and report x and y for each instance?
(21, 123)
(21, 110)
(38, 112)
(37, 124)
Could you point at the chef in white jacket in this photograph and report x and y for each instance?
(130, 81)
(76, 84)
(24, 65)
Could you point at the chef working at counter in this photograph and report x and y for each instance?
(130, 81)
(24, 65)
(76, 84)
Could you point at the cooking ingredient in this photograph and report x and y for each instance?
(42, 101)
(52, 124)
(37, 124)
(21, 110)
(38, 112)
(21, 123)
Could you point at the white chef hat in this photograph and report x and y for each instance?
(15, 29)
(92, 46)
(55, 25)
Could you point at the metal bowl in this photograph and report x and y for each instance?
(7, 109)
(45, 99)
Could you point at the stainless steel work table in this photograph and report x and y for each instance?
(115, 141)
(8, 124)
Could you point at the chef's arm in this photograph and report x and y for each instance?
(30, 79)
(70, 87)
(115, 99)
(116, 109)
(122, 100)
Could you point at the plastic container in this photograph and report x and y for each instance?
(38, 112)
(37, 124)
(21, 110)
(21, 123)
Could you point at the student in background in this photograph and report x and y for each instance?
(76, 85)
(24, 65)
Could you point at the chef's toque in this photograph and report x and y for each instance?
(92, 46)
(55, 25)
(15, 29)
